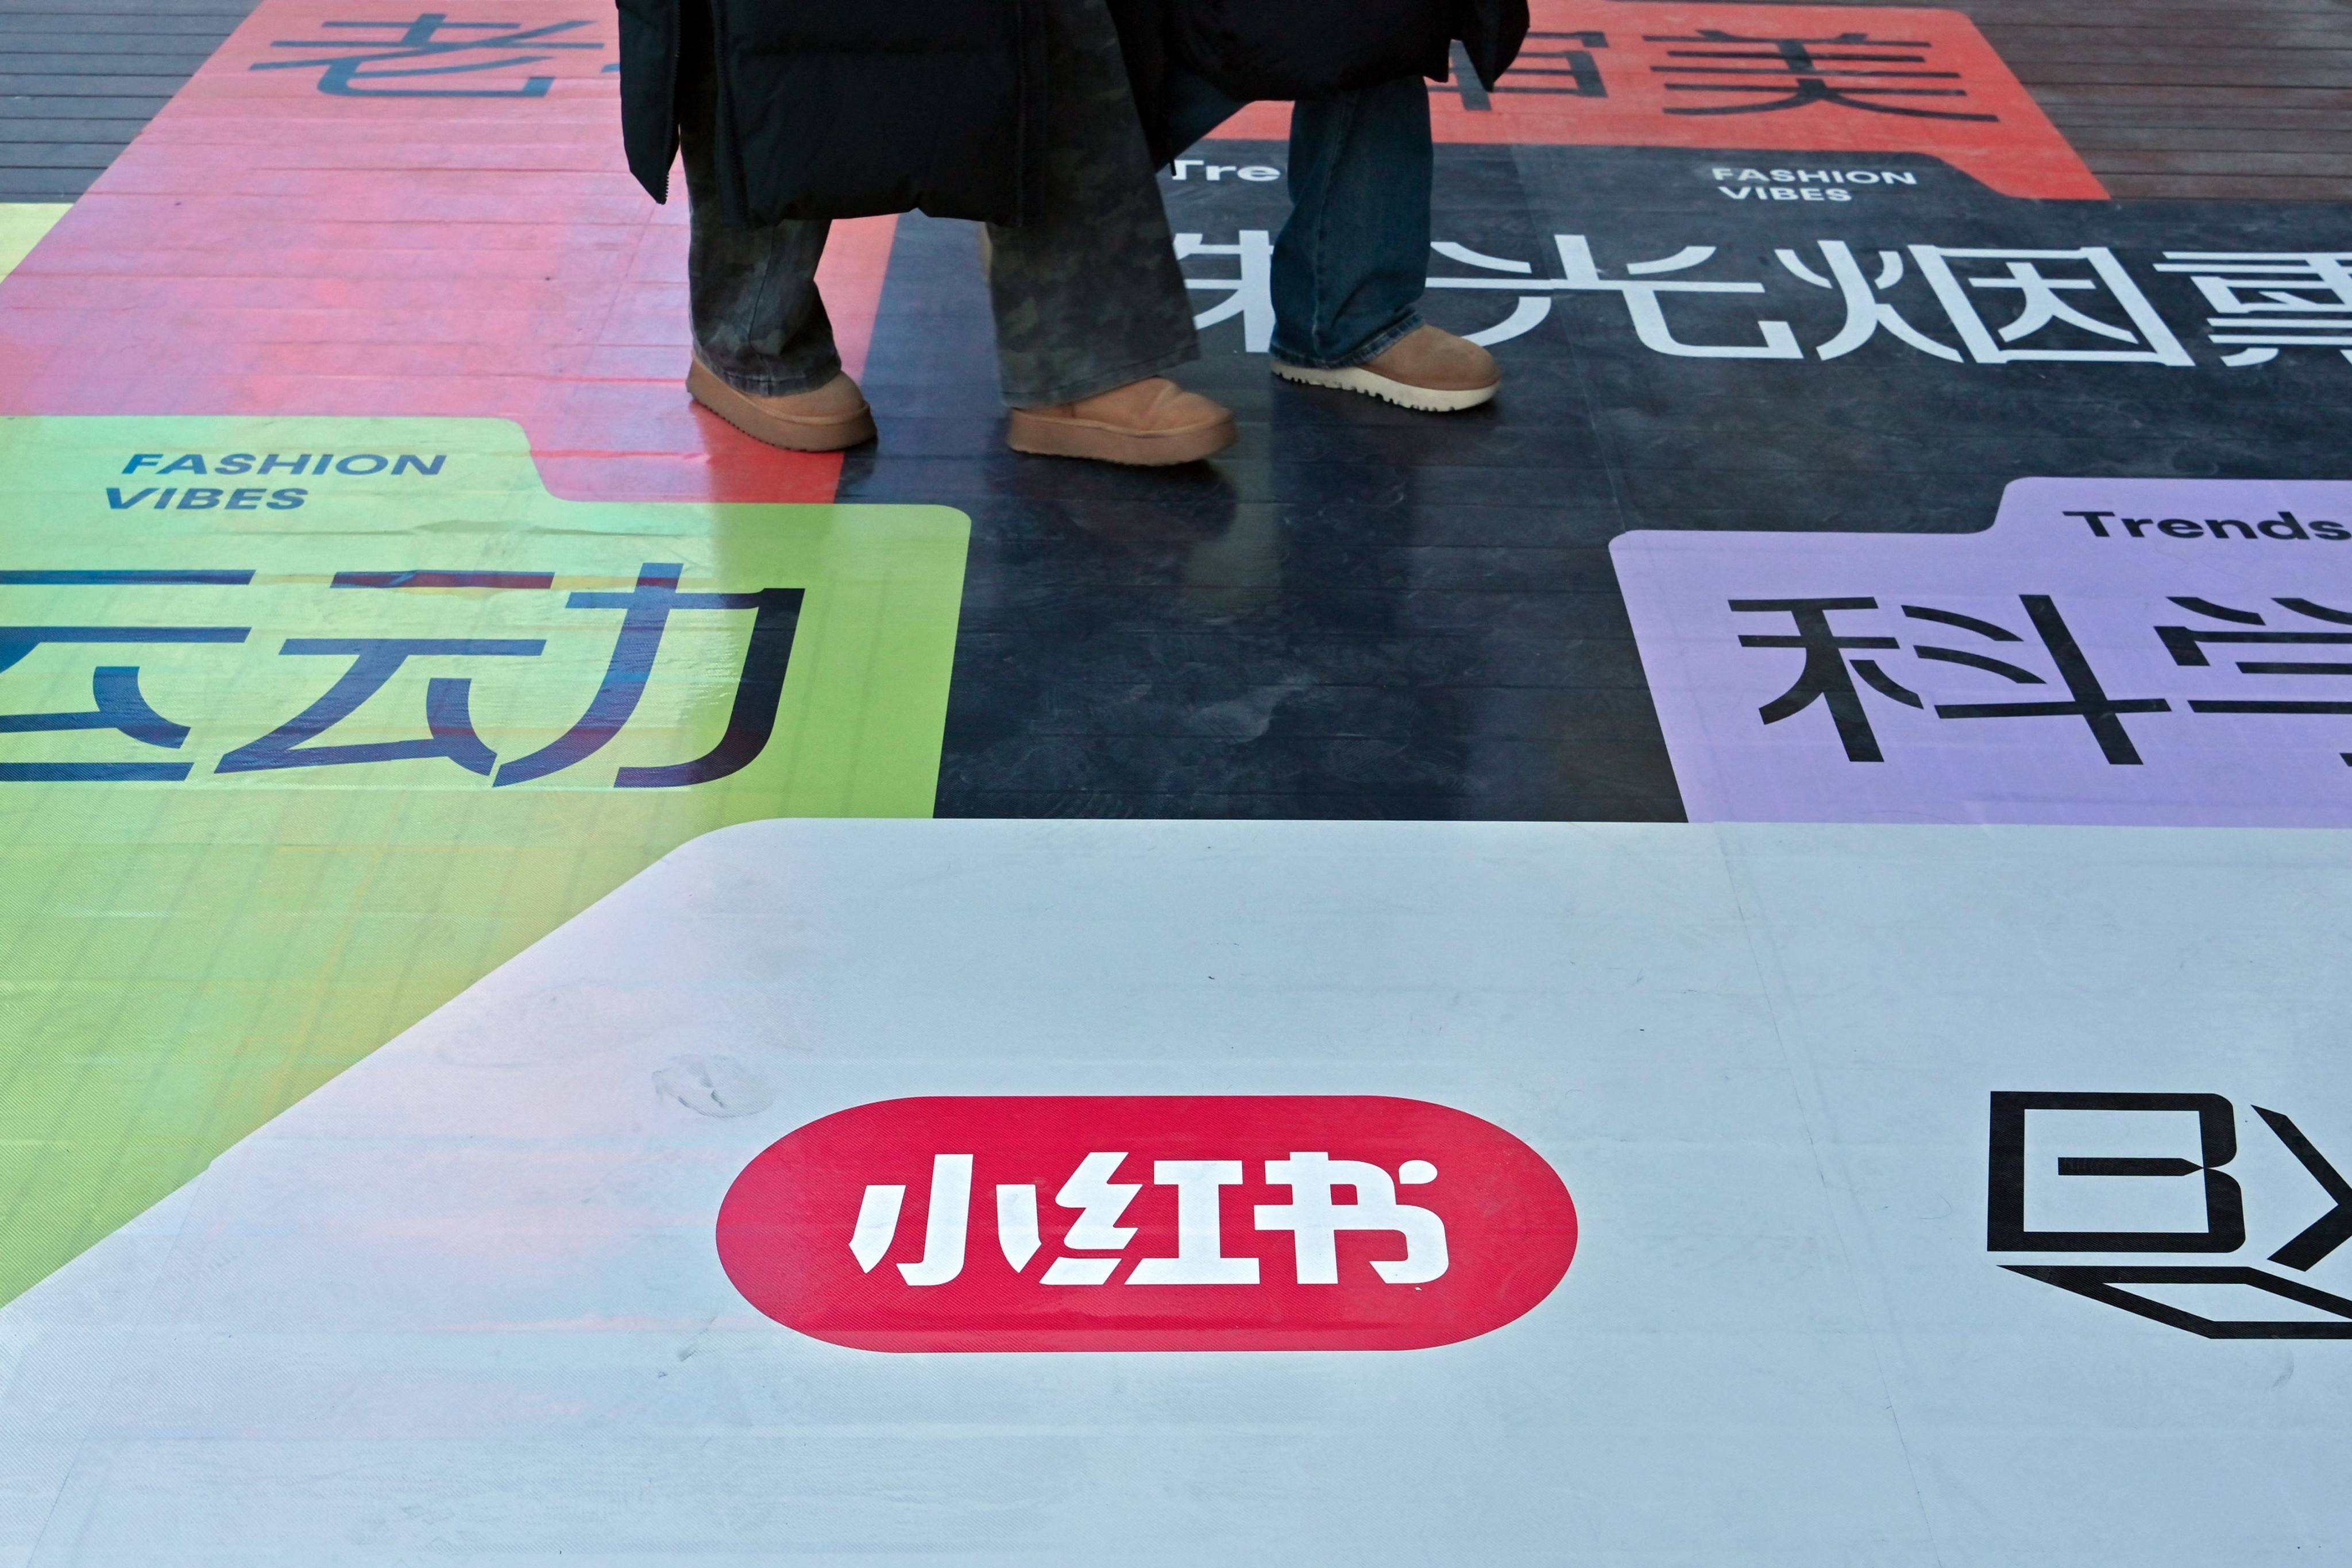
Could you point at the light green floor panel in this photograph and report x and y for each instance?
(186, 957)
(22, 223)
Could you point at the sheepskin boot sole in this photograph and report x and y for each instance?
(1051, 434)
(1387, 389)
(775, 421)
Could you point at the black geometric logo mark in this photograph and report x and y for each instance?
(2103, 1282)
(2224, 1227)
(2332, 1229)
(2225, 1214)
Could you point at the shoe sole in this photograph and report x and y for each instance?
(1403, 394)
(1042, 438)
(792, 434)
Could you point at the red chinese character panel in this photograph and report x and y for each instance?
(1763, 79)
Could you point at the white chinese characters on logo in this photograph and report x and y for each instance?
(1095, 1242)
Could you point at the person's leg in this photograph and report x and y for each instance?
(1351, 265)
(1089, 299)
(758, 320)
(763, 349)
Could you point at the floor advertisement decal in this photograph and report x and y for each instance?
(1766, 78)
(1364, 612)
(1390, 1193)
(420, 214)
(1823, 1046)
(305, 725)
(2162, 651)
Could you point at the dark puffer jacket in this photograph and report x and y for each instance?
(853, 108)
(1253, 50)
(850, 108)
(1312, 48)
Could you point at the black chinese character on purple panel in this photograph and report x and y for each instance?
(2188, 645)
(2086, 696)
(1824, 676)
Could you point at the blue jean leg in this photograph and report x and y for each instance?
(1351, 265)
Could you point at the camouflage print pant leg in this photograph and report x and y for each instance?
(1087, 298)
(1090, 297)
(759, 320)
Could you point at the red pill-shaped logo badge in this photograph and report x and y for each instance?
(1174, 1222)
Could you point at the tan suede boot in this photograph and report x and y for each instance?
(1149, 423)
(1428, 369)
(830, 418)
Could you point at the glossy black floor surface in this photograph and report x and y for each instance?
(1365, 612)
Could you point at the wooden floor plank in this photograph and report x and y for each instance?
(2107, 141)
(49, 84)
(2237, 188)
(2042, 40)
(2307, 165)
(178, 66)
(127, 44)
(166, 23)
(46, 184)
(2145, 13)
(2056, 99)
(228, 13)
(57, 154)
(79, 82)
(2109, 48)
(118, 131)
(138, 108)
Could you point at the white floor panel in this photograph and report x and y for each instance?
(464, 1304)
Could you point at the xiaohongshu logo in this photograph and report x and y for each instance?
(1232, 1223)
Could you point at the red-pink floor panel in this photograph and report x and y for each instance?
(340, 216)
(1763, 78)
